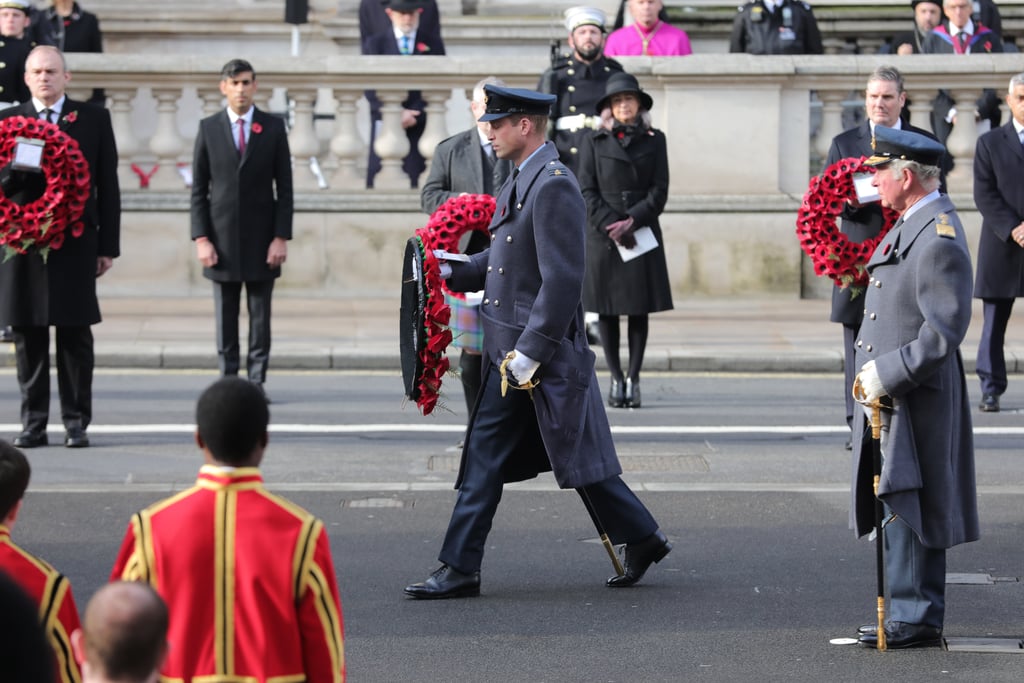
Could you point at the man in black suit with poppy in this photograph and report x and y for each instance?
(402, 38)
(242, 215)
(61, 291)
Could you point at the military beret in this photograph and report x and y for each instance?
(890, 145)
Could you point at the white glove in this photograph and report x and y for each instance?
(870, 382)
(522, 367)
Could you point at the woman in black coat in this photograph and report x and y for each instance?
(623, 173)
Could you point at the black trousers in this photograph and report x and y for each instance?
(227, 302)
(75, 363)
(499, 427)
(991, 365)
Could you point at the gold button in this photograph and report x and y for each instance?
(859, 342)
(878, 284)
(509, 239)
(501, 271)
(489, 269)
(571, 72)
(486, 301)
(3, 65)
(497, 303)
(873, 316)
(869, 347)
(572, 88)
(493, 236)
(572, 107)
(573, 150)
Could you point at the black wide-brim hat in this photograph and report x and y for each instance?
(622, 82)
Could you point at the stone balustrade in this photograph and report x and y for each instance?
(743, 133)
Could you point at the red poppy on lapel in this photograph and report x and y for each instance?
(988, 47)
(70, 118)
(422, 47)
(257, 128)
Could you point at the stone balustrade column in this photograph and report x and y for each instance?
(347, 147)
(166, 143)
(921, 108)
(831, 120)
(391, 144)
(962, 141)
(124, 135)
(302, 139)
(213, 101)
(436, 129)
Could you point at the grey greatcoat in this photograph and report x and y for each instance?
(918, 308)
(458, 166)
(532, 276)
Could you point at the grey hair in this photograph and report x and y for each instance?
(1015, 81)
(887, 73)
(478, 89)
(928, 176)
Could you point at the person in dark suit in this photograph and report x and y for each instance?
(71, 29)
(999, 196)
(402, 38)
(959, 34)
(373, 19)
(624, 178)
(884, 100)
(776, 27)
(466, 164)
(927, 16)
(532, 276)
(918, 308)
(242, 215)
(62, 290)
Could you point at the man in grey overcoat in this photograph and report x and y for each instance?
(917, 309)
(999, 196)
(532, 277)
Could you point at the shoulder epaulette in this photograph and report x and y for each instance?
(557, 168)
(943, 228)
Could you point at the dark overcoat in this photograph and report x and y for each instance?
(858, 224)
(999, 196)
(242, 205)
(790, 30)
(63, 290)
(532, 276)
(458, 167)
(618, 183)
(918, 308)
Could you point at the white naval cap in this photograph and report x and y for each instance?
(15, 4)
(583, 16)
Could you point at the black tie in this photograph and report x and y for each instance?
(512, 192)
(48, 114)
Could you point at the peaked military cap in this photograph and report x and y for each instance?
(15, 4)
(404, 6)
(890, 144)
(584, 16)
(502, 102)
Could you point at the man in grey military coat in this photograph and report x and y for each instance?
(532, 277)
(917, 309)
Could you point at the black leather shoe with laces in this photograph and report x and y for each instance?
(446, 582)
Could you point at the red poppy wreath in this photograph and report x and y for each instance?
(42, 224)
(452, 220)
(832, 253)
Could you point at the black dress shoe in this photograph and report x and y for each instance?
(446, 583)
(639, 557)
(632, 393)
(989, 403)
(616, 394)
(901, 636)
(76, 438)
(30, 439)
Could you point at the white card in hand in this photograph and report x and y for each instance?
(443, 255)
(866, 192)
(645, 242)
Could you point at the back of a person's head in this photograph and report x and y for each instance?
(124, 632)
(25, 656)
(232, 419)
(14, 475)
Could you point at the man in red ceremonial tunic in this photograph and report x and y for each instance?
(247, 575)
(45, 585)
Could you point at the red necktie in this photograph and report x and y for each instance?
(241, 137)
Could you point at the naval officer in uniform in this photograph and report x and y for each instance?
(551, 417)
(917, 309)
